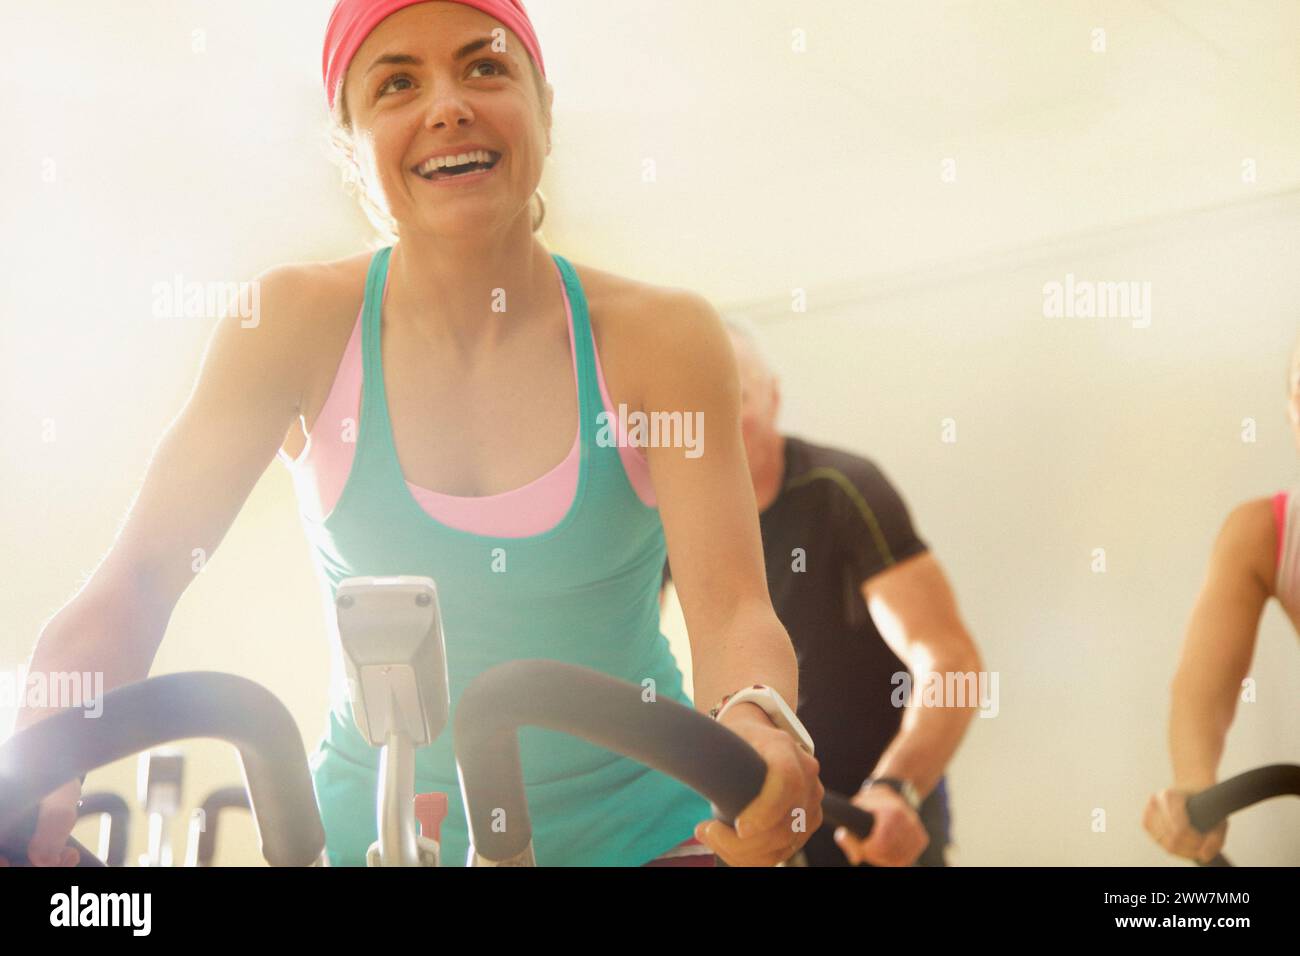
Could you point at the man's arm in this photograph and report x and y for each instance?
(914, 610)
(916, 613)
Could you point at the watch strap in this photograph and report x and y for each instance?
(904, 788)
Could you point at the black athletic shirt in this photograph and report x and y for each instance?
(836, 522)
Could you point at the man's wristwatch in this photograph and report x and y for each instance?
(904, 788)
(772, 704)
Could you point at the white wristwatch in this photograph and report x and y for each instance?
(775, 707)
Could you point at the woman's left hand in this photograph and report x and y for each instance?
(787, 811)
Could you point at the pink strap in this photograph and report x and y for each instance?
(1279, 521)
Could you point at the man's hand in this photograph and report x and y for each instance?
(779, 821)
(897, 838)
(1165, 818)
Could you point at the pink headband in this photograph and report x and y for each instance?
(354, 20)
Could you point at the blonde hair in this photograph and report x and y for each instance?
(343, 154)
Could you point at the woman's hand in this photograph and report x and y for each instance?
(1166, 820)
(58, 815)
(897, 838)
(787, 811)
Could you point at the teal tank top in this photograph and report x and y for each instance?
(584, 592)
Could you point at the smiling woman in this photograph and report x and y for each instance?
(447, 134)
(347, 34)
(437, 382)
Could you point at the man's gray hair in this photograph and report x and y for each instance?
(745, 329)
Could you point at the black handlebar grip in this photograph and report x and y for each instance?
(138, 716)
(840, 812)
(119, 825)
(13, 849)
(1207, 809)
(611, 713)
(13, 843)
(226, 798)
(593, 706)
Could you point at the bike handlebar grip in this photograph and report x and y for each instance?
(226, 798)
(1211, 806)
(159, 710)
(838, 811)
(608, 712)
(119, 827)
(14, 841)
(86, 858)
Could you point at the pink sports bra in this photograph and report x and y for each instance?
(321, 469)
(1286, 518)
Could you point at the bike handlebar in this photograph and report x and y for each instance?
(227, 798)
(66, 745)
(1207, 809)
(119, 827)
(611, 713)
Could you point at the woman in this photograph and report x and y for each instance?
(434, 382)
(1257, 556)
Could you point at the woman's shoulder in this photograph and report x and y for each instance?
(644, 313)
(315, 304)
(1249, 537)
(1251, 520)
(610, 293)
(642, 329)
(312, 282)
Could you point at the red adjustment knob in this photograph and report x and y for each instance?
(431, 810)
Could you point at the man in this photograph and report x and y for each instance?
(864, 602)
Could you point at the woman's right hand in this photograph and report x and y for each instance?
(1167, 821)
(58, 815)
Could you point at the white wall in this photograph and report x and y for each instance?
(1076, 434)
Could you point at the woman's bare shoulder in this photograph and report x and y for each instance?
(639, 326)
(1248, 538)
(315, 304)
(312, 282)
(641, 310)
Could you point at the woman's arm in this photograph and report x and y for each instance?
(206, 463)
(1220, 643)
(246, 397)
(1215, 660)
(706, 502)
(710, 518)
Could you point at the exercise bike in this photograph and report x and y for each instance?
(392, 638)
(136, 717)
